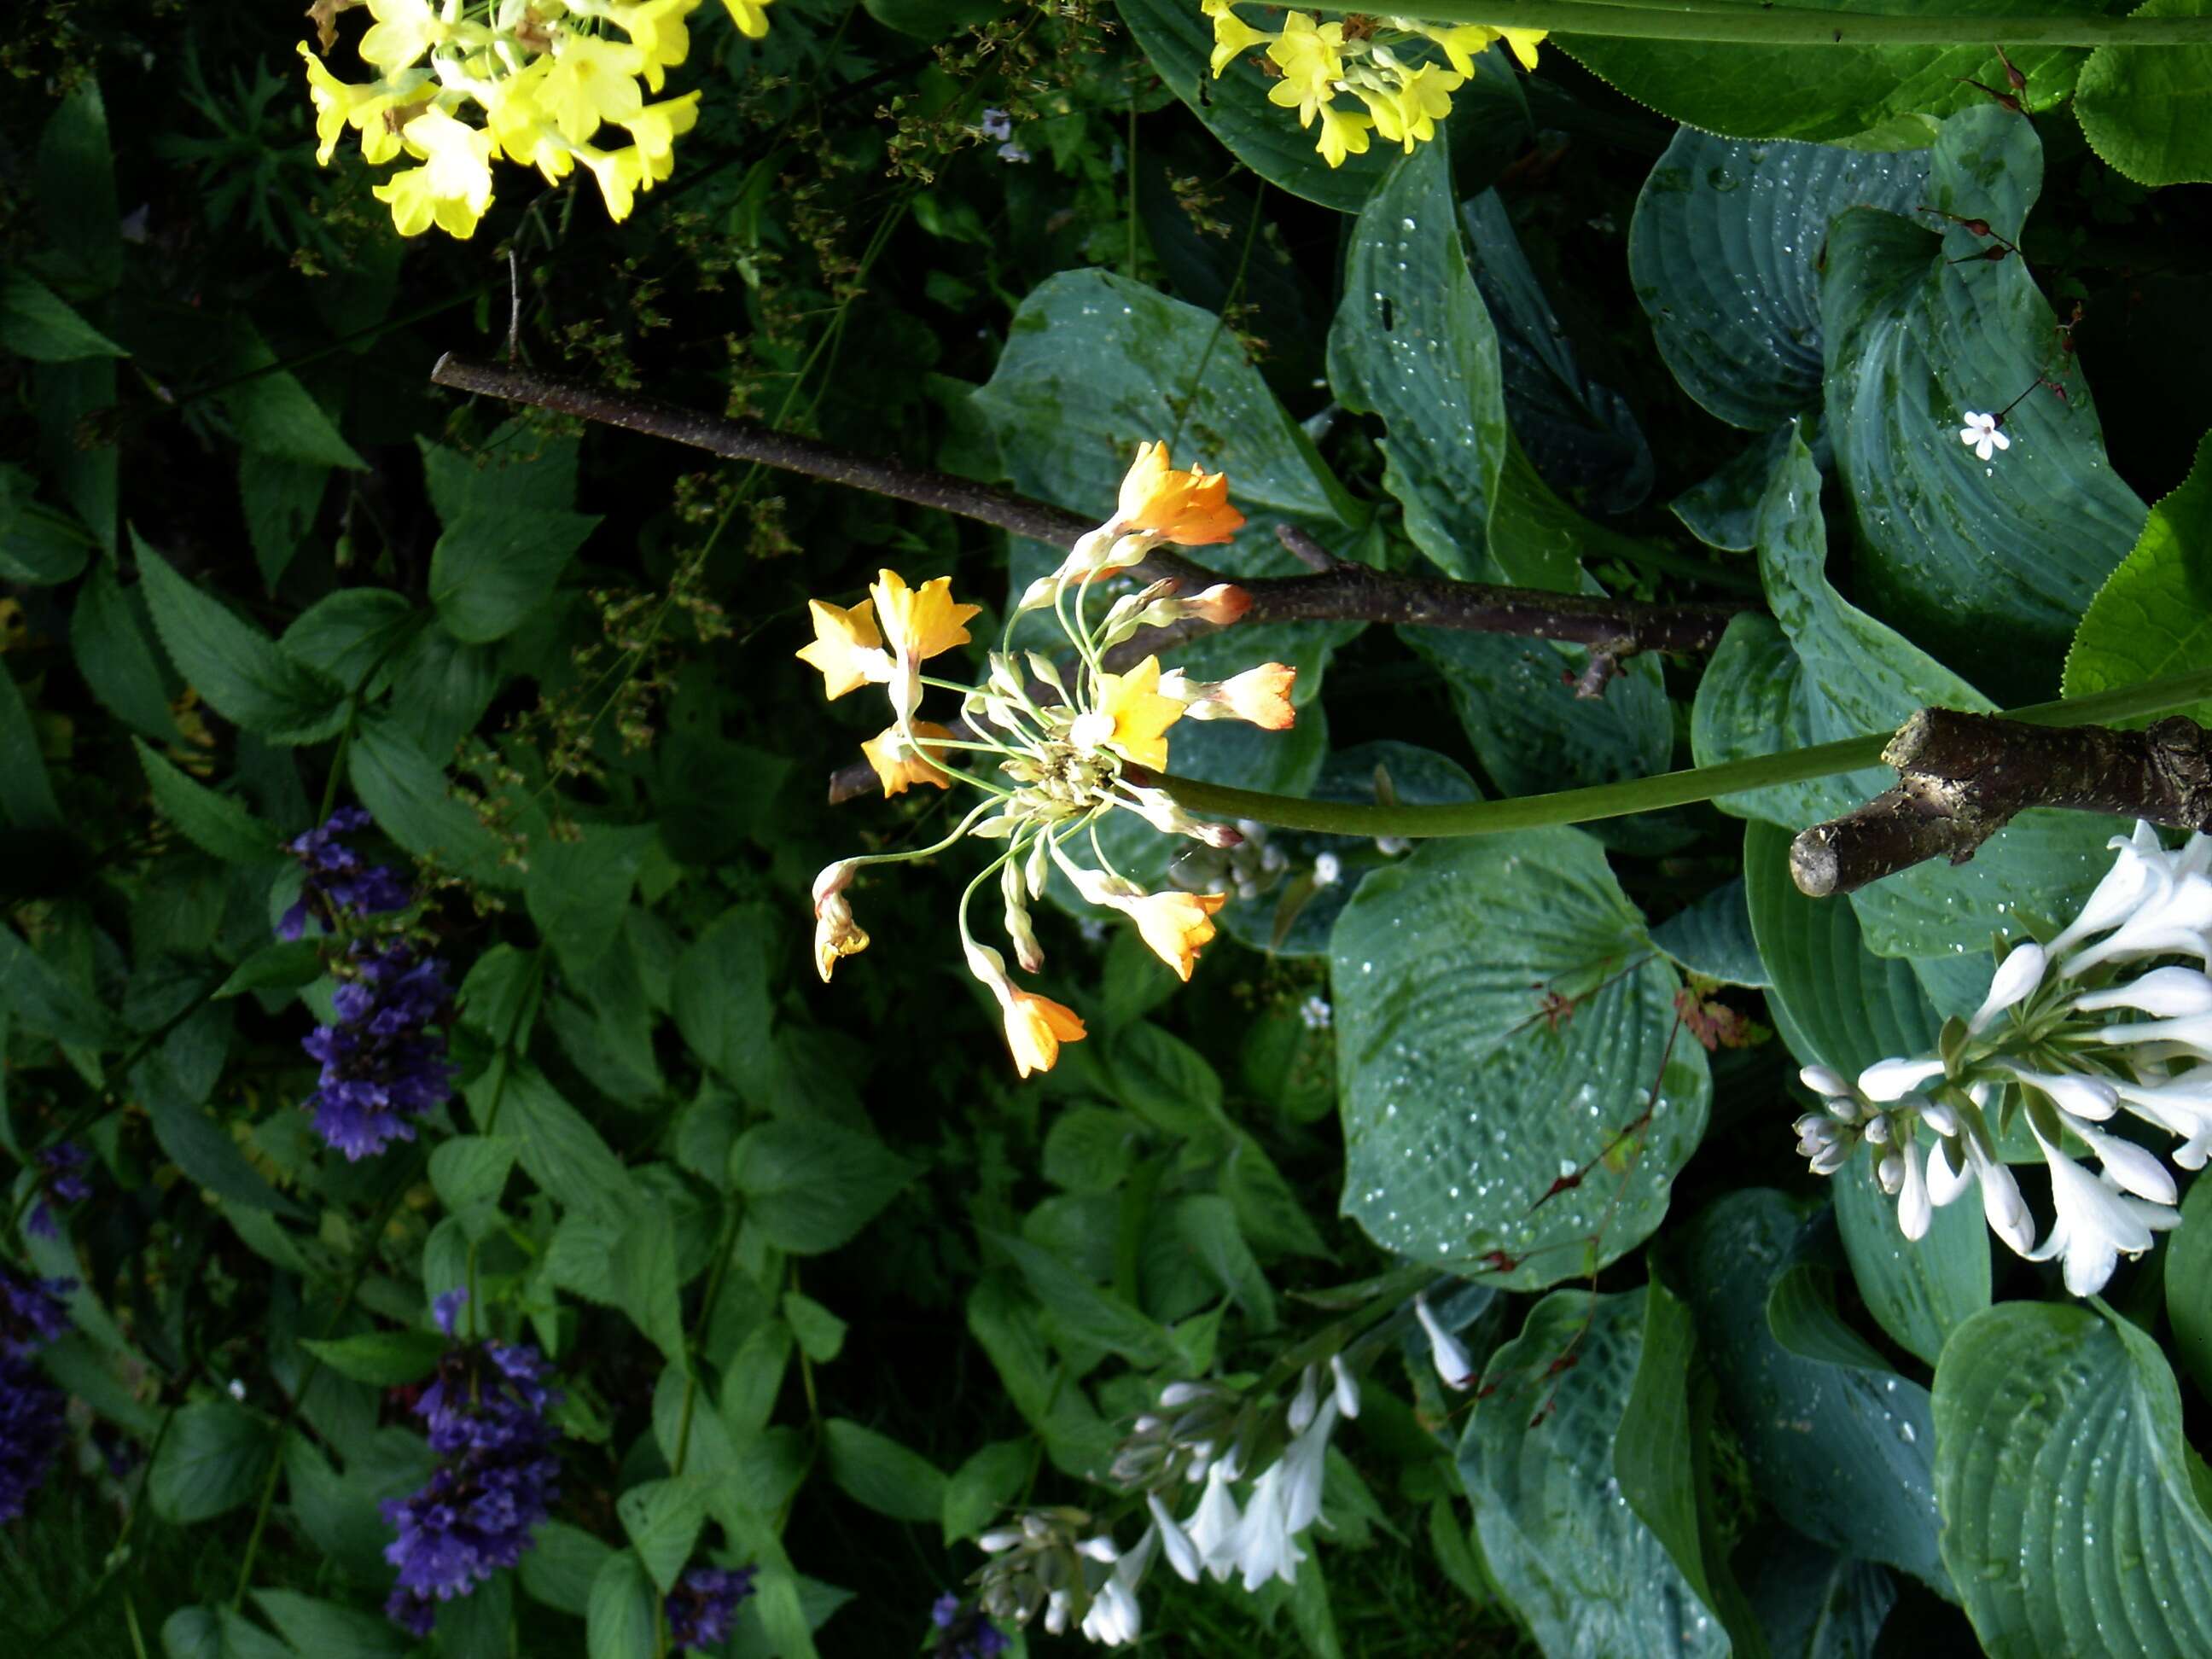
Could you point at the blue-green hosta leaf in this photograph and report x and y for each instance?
(1096, 364)
(2153, 617)
(1842, 1447)
(1581, 436)
(1987, 563)
(1579, 1566)
(1713, 938)
(2073, 1515)
(2143, 108)
(1467, 1094)
(1822, 669)
(1722, 511)
(1812, 1603)
(1867, 97)
(1725, 253)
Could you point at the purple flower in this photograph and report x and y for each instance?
(31, 1428)
(383, 1062)
(970, 1636)
(702, 1604)
(486, 1412)
(447, 1310)
(60, 1184)
(337, 883)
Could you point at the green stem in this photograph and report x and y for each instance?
(1786, 25)
(1612, 800)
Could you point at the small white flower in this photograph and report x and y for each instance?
(1100, 1549)
(1176, 1543)
(1011, 152)
(1347, 1386)
(997, 125)
(1981, 435)
(2003, 1207)
(1453, 1362)
(1892, 1080)
(1939, 1117)
(1946, 1180)
(1306, 1401)
(2141, 866)
(1214, 1523)
(2181, 1106)
(2095, 1224)
(1315, 1013)
(991, 1543)
(2016, 981)
(1116, 1618)
(1391, 846)
(237, 1388)
(1264, 1548)
(1913, 1211)
(1055, 1611)
(1328, 870)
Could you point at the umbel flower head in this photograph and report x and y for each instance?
(1380, 63)
(1052, 752)
(462, 83)
(2085, 1040)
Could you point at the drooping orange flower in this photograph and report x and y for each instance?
(900, 765)
(847, 647)
(1223, 604)
(836, 935)
(1262, 695)
(1035, 1027)
(1176, 925)
(920, 622)
(1189, 509)
(1139, 714)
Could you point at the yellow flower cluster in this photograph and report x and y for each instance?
(1359, 56)
(548, 75)
(1053, 747)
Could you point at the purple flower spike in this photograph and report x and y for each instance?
(336, 882)
(30, 1426)
(702, 1604)
(965, 1636)
(383, 1062)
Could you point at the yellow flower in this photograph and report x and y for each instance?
(1462, 45)
(1262, 695)
(1176, 925)
(1309, 58)
(1133, 715)
(836, 933)
(656, 28)
(919, 623)
(621, 174)
(335, 102)
(1035, 1027)
(453, 188)
(591, 81)
(847, 647)
(403, 32)
(1342, 133)
(657, 127)
(1189, 509)
(527, 137)
(899, 764)
(749, 16)
(1410, 115)
(1232, 35)
(1523, 43)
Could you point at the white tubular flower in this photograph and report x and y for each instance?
(1886, 1080)
(2087, 1098)
(2016, 979)
(1913, 1209)
(1264, 1548)
(1174, 1543)
(2191, 1032)
(1306, 1401)
(2003, 1207)
(1347, 1386)
(1453, 1362)
(1176, 1395)
(1055, 1612)
(2165, 993)
(1305, 1460)
(1214, 1523)
(1946, 1180)
(2174, 922)
(2128, 1166)
(1100, 1549)
(2096, 1224)
(1005, 1538)
(2141, 869)
(2181, 1106)
(1328, 870)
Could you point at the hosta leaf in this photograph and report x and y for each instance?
(1725, 253)
(1578, 1563)
(1466, 1094)
(1986, 563)
(2073, 1515)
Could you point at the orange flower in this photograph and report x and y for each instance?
(899, 764)
(920, 622)
(1133, 716)
(847, 647)
(1175, 925)
(1191, 509)
(1221, 605)
(1262, 695)
(1035, 1027)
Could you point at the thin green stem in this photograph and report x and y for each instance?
(1721, 20)
(1787, 26)
(1612, 800)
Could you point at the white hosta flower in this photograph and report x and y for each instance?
(2128, 1166)
(1913, 1210)
(1328, 870)
(2181, 1106)
(2003, 1207)
(1055, 1611)
(1305, 1458)
(2174, 922)
(1453, 1362)
(2141, 868)
(1946, 1180)
(2096, 1223)
(1115, 1617)
(1347, 1386)
(2164, 993)
(1888, 1080)
(1175, 1544)
(1215, 1523)
(2090, 1098)
(1263, 1547)
(1980, 434)
(1306, 1401)
(2016, 981)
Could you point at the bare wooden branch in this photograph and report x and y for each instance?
(1962, 777)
